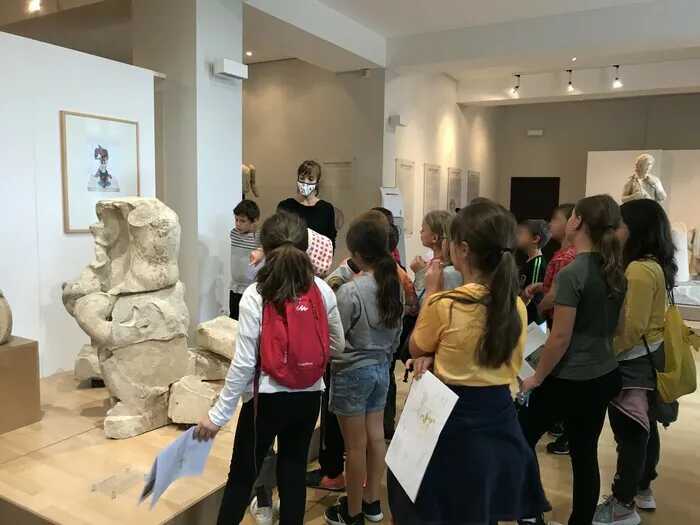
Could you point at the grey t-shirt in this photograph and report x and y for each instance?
(367, 340)
(581, 285)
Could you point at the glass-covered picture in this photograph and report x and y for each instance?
(100, 158)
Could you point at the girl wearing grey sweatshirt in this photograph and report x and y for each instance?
(371, 309)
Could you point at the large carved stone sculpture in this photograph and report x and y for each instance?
(130, 302)
(642, 184)
(5, 320)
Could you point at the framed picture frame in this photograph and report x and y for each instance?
(100, 159)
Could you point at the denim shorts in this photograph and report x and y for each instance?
(360, 391)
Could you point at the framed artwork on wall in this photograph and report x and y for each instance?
(100, 160)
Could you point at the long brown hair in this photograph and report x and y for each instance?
(489, 231)
(287, 272)
(601, 216)
(368, 237)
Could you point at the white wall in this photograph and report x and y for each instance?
(439, 132)
(36, 257)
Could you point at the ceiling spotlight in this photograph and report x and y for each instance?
(516, 88)
(34, 6)
(574, 59)
(249, 53)
(570, 88)
(617, 83)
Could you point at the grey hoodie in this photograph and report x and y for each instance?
(367, 341)
(451, 280)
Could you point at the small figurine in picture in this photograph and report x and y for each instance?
(102, 180)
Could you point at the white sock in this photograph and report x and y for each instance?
(529, 520)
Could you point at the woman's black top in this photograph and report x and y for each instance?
(320, 217)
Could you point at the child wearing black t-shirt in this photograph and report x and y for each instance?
(533, 235)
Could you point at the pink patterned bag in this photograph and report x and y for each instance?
(320, 252)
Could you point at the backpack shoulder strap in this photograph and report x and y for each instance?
(651, 357)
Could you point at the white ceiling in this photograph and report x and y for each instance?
(398, 18)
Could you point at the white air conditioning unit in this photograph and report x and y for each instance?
(229, 69)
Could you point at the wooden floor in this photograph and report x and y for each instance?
(49, 469)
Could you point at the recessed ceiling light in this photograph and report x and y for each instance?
(34, 6)
(574, 59)
(249, 53)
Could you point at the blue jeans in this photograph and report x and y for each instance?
(360, 391)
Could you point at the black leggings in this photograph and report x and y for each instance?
(582, 406)
(638, 454)
(289, 416)
(331, 456)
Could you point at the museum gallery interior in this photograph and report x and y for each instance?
(130, 129)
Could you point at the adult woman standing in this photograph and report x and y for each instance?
(648, 255)
(318, 214)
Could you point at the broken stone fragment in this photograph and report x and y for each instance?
(87, 366)
(123, 421)
(190, 400)
(219, 336)
(207, 365)
(5, 320)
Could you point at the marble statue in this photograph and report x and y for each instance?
(129, 300)
(642, 184)
(249, 180)
(5, 320)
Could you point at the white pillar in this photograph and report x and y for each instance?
(202, 120)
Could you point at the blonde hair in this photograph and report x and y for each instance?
(436, 221)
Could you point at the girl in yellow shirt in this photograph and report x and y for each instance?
(482, 470)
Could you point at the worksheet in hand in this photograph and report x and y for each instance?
(427, 408)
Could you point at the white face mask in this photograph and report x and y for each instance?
(305, 188)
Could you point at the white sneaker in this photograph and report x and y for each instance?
(261, 515)
(645, 500)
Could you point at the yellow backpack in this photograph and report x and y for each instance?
(680, 376)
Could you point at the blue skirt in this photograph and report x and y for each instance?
(482, 470)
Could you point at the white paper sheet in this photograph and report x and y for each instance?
(406, 183)
(427, 408)
(536, 337)
(392, 201)
(432, 186)
(473, 183)
(184, 457)
(455, 189)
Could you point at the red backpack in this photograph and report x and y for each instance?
(295, 347)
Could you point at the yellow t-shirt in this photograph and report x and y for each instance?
(454, 340)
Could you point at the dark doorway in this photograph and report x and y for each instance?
(535, 198)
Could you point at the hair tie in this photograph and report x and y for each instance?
(610, 227)
(506, 250)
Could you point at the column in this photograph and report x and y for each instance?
(201, 135)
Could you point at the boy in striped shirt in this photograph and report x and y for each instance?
(244, 240)
(533, 235)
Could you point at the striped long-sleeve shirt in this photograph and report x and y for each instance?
(242, 274)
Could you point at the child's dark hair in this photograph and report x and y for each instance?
(566, 209)
(600, 214)
(248, 209)
(311, 168)
(368, 237)
(394, 233)
(489, 231)
(287, 272)
(650, 237)
(538, 228)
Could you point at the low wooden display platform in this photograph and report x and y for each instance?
(48, 469)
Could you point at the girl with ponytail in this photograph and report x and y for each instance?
(473, 338)
(577, 375)
(284, 413)
(371, 308)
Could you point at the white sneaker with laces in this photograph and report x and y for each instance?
(614, 512)
(645, 500)
(261, 515)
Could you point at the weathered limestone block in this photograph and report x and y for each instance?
(219, 336)
(207, 365)
(124, 422)
(5, 319)
(190, 400)
(87, 365)
(139, 376)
